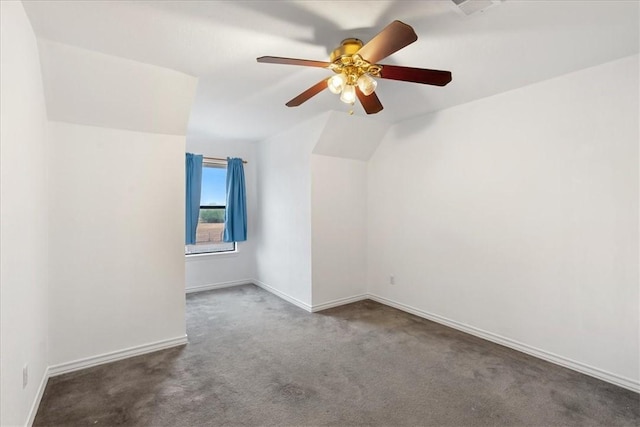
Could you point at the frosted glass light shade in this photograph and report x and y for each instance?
(367, 84)
(348, 94)
(336, 83)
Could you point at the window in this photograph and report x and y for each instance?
(210, 230)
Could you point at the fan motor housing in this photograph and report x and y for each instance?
(348, 47)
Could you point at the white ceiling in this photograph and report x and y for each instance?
(509, 46)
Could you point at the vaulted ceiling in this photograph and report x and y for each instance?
(508, 46)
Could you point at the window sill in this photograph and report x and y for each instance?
(211, 255)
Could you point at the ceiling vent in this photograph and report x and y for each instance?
(471, 7)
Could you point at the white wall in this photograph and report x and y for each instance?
(338, 207)
(23, 216)
(117, 240)
(283, 251)
(518, 215)
(311, 208)
(204, 271)
(338, 223)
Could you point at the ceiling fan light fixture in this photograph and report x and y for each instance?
(348, 94)
(336, 83)
(367, 84)
(355, 63)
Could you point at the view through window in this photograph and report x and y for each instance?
(210, 229)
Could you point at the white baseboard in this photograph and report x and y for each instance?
(610, 377)
(338, 302)
(218, 285)
(100, 359)
(598, 373)
(88, 362)
(311, 308)
(292, 300)
(280, 294)
(36, 402)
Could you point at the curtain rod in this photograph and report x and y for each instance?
(219, 159)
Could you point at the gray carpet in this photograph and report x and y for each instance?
(253, 359)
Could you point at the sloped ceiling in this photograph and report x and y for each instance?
(91, 88)
(509, 46)
(350, 137)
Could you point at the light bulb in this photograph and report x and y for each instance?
(336, 83)
(367, 84)
(348, 94)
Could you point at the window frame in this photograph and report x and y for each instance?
(220, 164)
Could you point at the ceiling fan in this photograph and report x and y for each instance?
(356, 66)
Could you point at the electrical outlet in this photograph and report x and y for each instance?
(392, 280)
(25, 376)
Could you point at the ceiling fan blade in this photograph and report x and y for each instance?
(391, 39)
(415, 75)
(309, 93)
(371, 103)
(292, 61)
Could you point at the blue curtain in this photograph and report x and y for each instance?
(193, 168)
(235, 216)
